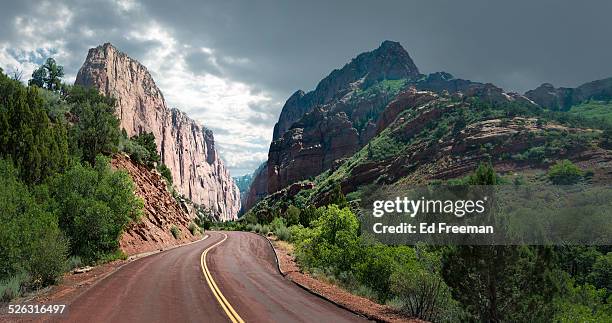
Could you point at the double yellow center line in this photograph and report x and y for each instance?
(227, 308)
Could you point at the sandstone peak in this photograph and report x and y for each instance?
(389, 61)
(185, 146)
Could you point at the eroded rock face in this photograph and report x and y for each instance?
(563, 98)
(186, 147)
(389, 61)
(258, 188)
(161, 212)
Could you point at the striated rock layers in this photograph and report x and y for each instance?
(186, 147)
(316, 131)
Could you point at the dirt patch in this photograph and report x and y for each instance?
(336, 294)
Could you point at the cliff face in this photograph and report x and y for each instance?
(186, 147)
(316, 131)
(389, 61)
(258, 188)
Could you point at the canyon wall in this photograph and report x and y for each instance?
(186, 147)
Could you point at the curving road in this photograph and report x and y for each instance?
(178, 285)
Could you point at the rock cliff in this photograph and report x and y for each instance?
(186, 147)
(389, 61)
(318, 130)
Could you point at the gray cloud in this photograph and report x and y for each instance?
(276, 47)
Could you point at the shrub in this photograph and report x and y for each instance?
(12, 287)
(293, 215)
(265, 229)
(165, 173)
(193, 228)
(564, 172)
(277, 223)
(257, 228)
(30, 239)
(283, 233)
(176, 233)
(74, 262)
(422, 293)
(136, 152)
(94, 205)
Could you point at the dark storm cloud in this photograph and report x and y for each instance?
(277, 47)
(515, 44)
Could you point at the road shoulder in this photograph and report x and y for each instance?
(335, 294)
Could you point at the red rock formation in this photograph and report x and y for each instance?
(186, 147)
(161, 212)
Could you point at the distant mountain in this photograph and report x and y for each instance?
(378, 120)
(563, 98)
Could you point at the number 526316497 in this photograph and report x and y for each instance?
(36, 308)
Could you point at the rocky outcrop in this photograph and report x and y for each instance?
(310, 147)
(161, 212)
(319, 129)
(186, 147)
(389, 61)
(258, 188)
(564, 98)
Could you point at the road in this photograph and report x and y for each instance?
(178, 285)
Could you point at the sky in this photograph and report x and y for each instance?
(232, 64)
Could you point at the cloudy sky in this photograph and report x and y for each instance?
(231, 64)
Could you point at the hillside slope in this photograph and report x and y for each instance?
(161, 212)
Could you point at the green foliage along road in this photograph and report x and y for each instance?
(61, 205)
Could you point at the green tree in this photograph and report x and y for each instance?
(97, 130)
(293, 215)
(48, 76)
(94, 204)
(309, 214)
(337, 197)
(165, 172)
(38, 147)
(565, 172)
(147, 141)
(30, 239)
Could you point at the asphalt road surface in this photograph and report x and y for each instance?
(228, 277)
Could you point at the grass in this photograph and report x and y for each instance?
(11, 288)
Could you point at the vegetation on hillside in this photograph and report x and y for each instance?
(61, 204)
(445, 283)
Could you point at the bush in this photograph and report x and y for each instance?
(30, 239)
(74, 262)
(12, 287)
(293, 215)
(564, 172)
(165, 173)
(422, 293)
(277, 223)
(94, 205)
(283, 233)
(136, 152)
(176, 233)
(193, 228)
(265, 229)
